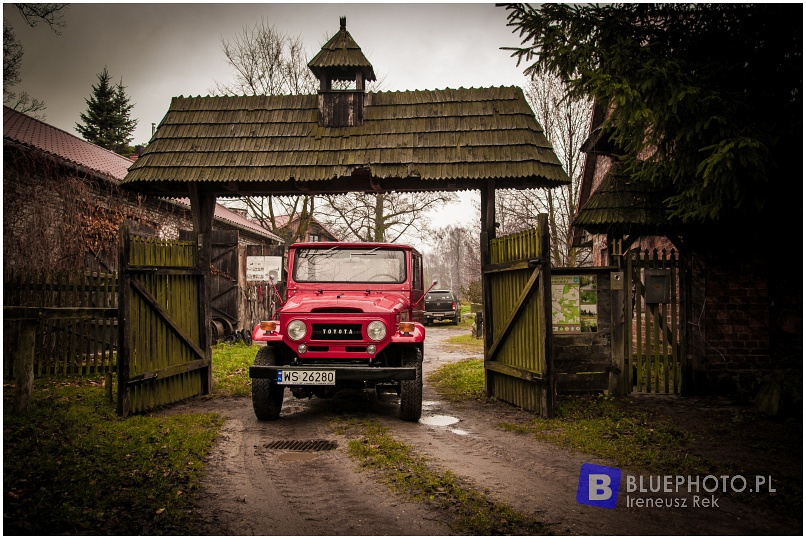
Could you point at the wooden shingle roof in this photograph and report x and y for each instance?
(409, 141)
(341, 56)
(621, 205)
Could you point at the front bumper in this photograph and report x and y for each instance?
(441, 314)
(343, 373)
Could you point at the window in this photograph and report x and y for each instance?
(350, 265)
(417, 272)
(314, 237)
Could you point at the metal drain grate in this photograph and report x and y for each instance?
(302, 445)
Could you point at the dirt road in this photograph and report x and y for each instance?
(257, 486)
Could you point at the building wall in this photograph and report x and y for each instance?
(56, 218)
(745, 324)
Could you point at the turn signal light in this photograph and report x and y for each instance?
(269, 327)
(406, 328)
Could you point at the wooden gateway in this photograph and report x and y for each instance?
(343, 141)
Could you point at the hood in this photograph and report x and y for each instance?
(352, 301)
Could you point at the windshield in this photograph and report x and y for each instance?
(336, 265)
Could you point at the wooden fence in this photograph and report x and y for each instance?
(654, 327)
(63, 345)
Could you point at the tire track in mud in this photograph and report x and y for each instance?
(251, 489)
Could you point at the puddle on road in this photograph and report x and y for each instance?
(296, 456)
(438, 420)
(460, 432)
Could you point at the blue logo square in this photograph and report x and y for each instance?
(598, 486)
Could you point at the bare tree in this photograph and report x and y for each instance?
(566, 124)
(266, 62)
(269, 62)
(378, 216)
(455, 260)
(277, 214)
(32, 14)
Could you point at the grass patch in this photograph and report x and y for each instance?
(72, 466)
(596, 425)
(408, 473)
(231, 369)
(463, 380)
(468, 343)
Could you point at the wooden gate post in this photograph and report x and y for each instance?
(202, 207)
(123, 313)
(487, 234)
(24, 366)
(549, 389)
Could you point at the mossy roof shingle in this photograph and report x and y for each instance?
(621, 205)
(464, 134)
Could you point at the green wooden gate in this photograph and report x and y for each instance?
(517, 356)
(654, 342)
(164, 354)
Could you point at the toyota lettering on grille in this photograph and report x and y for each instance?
(346, 332)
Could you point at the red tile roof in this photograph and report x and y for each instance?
(23, 129)
(225, 214)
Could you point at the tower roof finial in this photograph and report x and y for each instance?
(343, 22)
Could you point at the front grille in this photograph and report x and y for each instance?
(336, 332)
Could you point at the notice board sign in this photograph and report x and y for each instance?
(261, 268)
(573, 304)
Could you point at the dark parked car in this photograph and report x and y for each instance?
(441, 305)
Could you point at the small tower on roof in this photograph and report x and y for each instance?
(341, 59)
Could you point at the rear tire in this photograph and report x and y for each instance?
(267, 395)
(411, 391)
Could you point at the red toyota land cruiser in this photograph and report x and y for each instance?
(352, 318)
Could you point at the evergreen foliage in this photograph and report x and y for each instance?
(704, 100)
(107, 122)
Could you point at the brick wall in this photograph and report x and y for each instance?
(744, 325)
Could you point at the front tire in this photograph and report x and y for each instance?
(411, 391)
(267, 395)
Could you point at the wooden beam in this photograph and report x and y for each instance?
(511, 266)
(487, 234)
(202, 208)
(167, 373)
(515, 372)
(24, 367)
(124, 307)
(49, 313)
(550, 389)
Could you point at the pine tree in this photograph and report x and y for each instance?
(107, 122)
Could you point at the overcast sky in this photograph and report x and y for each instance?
(166, 50)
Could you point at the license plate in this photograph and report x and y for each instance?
(306, 377)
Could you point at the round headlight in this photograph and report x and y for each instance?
(296, 330)
(376, 330)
